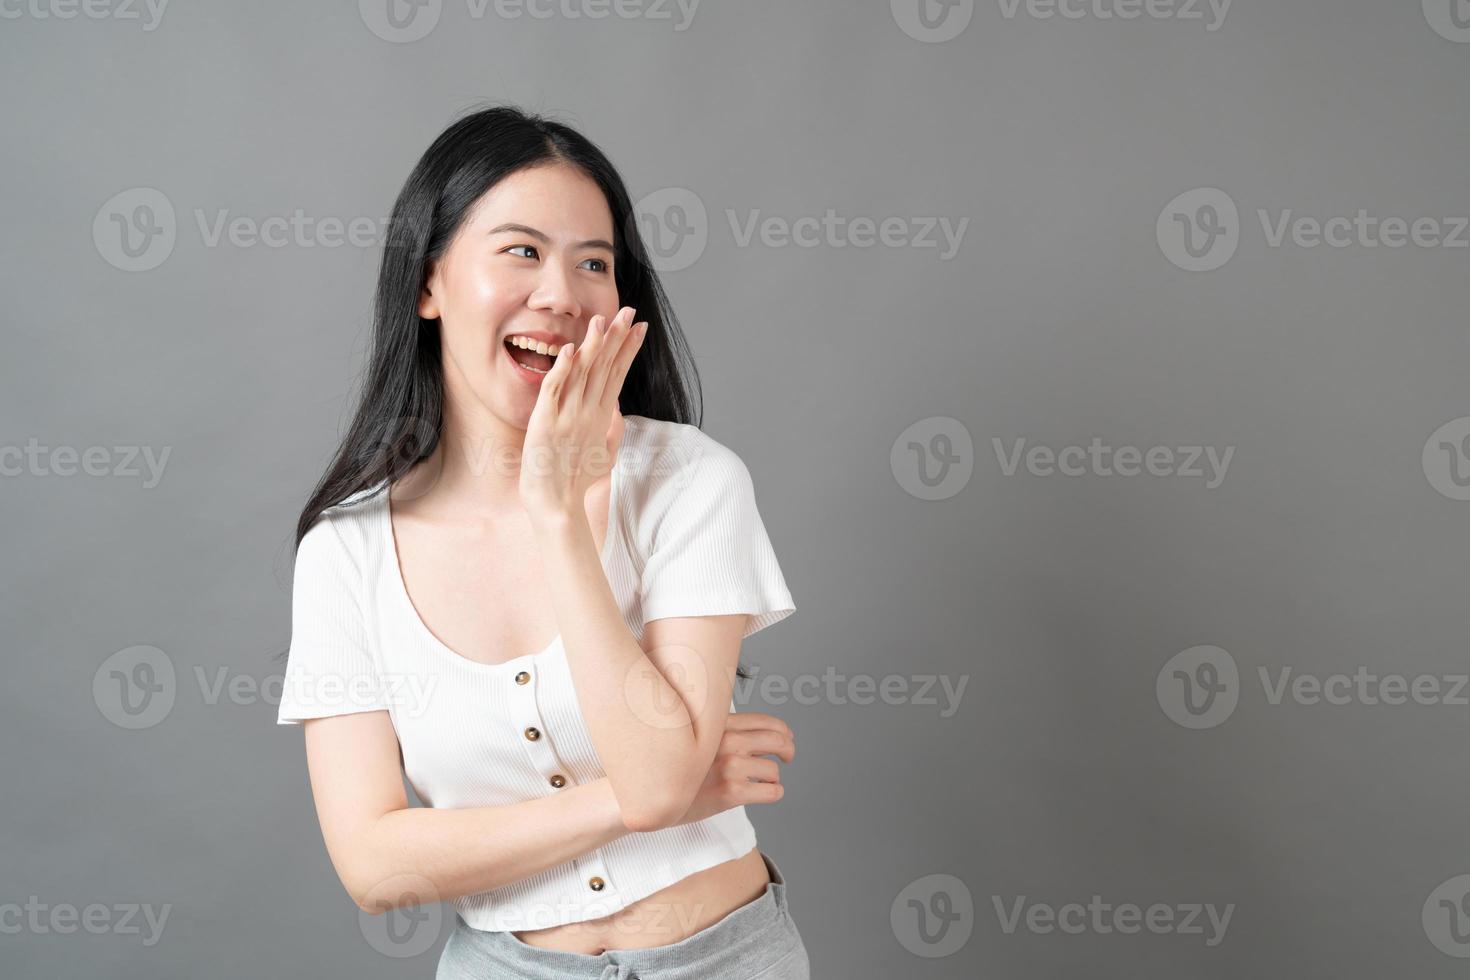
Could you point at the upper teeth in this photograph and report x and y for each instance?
(539, 346)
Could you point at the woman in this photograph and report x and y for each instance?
(522, 474)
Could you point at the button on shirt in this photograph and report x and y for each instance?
(685, 539)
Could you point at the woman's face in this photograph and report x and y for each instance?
(533, 259)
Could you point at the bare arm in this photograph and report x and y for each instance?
(384, 850)
(389, 854)
(656, 739)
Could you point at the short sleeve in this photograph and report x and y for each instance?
(711, 555)
(330, 668)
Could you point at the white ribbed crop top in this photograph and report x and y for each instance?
(684, 539)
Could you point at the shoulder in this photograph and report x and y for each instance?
(678, 483)
(343, 533)
(660, 460)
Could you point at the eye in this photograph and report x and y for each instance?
(601, 263)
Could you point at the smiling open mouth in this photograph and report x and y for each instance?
(532, 355)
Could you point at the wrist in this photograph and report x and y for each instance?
(557, 521)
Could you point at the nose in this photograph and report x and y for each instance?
(555, 292)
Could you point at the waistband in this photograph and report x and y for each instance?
(745, 935)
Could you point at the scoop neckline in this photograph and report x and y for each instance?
(400, 586)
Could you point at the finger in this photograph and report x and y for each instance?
(762, 742)
(747, 793)
(556, 379)
(748, 720)
(586, 355)
(760, 770)
(619, 370)
(612, 342)
(594, 341)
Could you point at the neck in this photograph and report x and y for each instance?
(478, 459)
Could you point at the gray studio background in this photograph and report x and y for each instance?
(904, 406)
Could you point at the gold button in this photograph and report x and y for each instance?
(532, 734)
(596, 884)
(522, 677)
(558, 780)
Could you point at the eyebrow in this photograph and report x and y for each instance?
(539, 236)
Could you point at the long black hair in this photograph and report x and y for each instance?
(400, 409)
(399, 416)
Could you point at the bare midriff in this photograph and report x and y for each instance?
(668, 915)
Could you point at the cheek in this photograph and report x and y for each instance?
(479, 306)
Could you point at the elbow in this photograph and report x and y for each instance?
(658, 810)
(377, 892)
(397, 891)
(365, 896)
(646, 819)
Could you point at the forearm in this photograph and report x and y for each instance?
(647, 752)
(473, 849)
